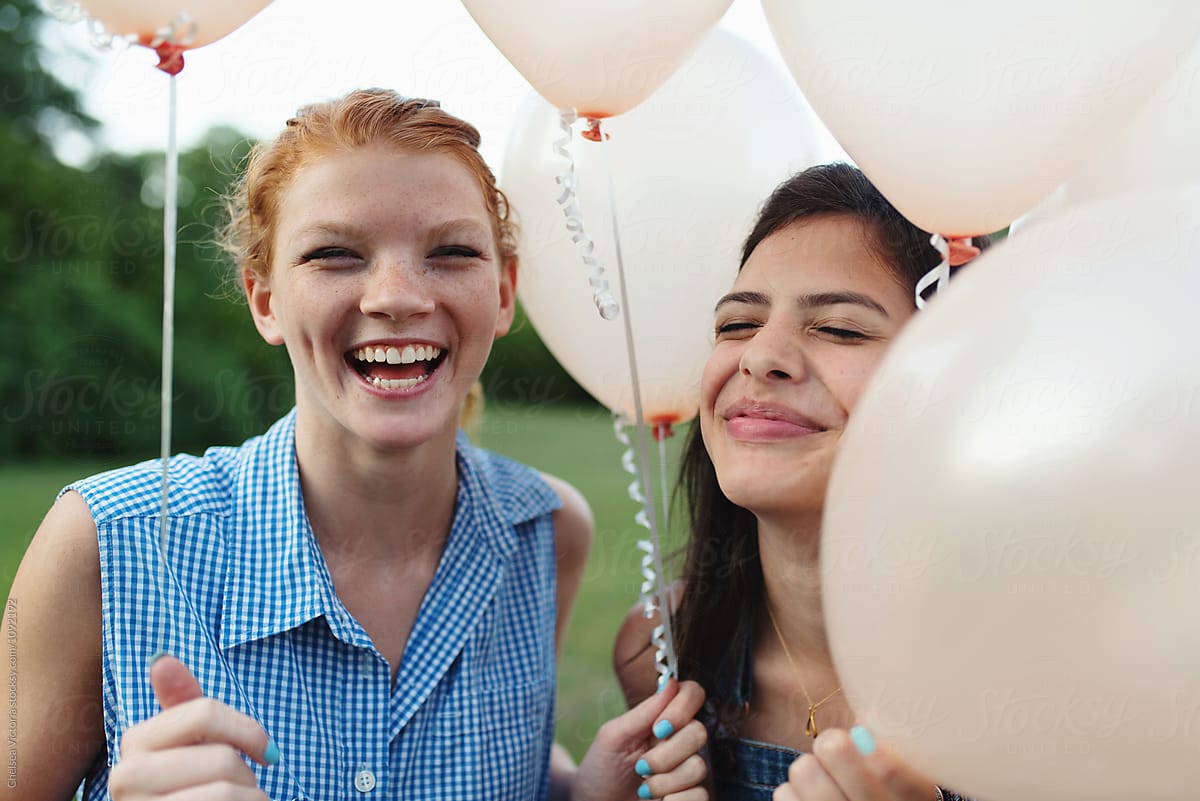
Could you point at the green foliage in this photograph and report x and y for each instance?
(34, 104)
(81, 258)
(82, 313)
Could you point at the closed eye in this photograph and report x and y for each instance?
(735, 327)
(842, 333)
(327, 254)
(456, 251)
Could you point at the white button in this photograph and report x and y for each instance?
(364, 782)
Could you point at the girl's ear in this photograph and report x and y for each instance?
(508, 296)
(262, 306)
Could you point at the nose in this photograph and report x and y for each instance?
(773, 354)
(397, 288)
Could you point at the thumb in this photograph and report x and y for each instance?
(637, 721)
(173, 683)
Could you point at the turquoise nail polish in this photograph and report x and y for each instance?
(644, 791)
(271, 755)
(157, 656)
(864, 741)
(662, 683)
(663, 729)
(642, 768)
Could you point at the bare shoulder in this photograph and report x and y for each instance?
(573, 531)
(64, 546)
(574, 525)
(633, 655)
(54, 613)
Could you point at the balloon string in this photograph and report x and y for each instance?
(955, 252)
(170, 224)
(648, 593)
(939, 275)
(665, 641)
(569, 201)
(167, 576)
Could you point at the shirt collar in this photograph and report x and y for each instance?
(276, 577)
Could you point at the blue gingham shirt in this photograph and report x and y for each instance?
(471, 714)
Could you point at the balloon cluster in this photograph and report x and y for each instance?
(1009, 553)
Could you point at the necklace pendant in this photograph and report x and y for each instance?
(810, 728)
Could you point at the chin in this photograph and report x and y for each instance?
(776, 498)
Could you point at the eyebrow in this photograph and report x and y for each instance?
(809, 301)
(461, 225)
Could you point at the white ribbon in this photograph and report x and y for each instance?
(939, 275)
(569, 201)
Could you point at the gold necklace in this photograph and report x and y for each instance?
(810, 728)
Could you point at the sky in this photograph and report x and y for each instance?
(298, 51)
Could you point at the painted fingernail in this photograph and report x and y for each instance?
(271, 755)
(662, 683)
(642, 768)
(864, 741)
(644, 791)
(663, 729)
(157, 656)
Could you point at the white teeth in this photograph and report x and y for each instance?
(396, 383)
(393, 355)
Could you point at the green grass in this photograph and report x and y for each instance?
(579, 445)
(576, 444)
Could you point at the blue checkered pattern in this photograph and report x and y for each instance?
(471, 713)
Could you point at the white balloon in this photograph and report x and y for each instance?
(1157, 150)
(204, 21)
(690, 168)
(1011, 550)
(601, 58)
(966, 114)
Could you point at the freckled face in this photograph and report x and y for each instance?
(807, 322)
(387, 289)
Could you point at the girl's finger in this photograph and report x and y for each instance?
(670, 753)
(845, 759)
(690, 773)
(809, 781)
(682, 708)
(692, 794)
(162, 772)
(198, 722)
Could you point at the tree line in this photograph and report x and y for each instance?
(81, 290)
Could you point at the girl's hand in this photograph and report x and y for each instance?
(192, 749)
(850, 766)
(652, 751)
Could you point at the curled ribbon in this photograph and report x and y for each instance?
(652, 582)
(569, 201)
(955, 251)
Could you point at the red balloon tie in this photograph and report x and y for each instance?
(170, 55)
(961, 251)
(593, 132)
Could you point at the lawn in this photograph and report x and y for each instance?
(576, 444)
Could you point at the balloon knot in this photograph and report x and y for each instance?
(170, 55)
(593, 132)
(662, 428)
(961, 251)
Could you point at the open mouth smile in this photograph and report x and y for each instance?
(396, 366)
